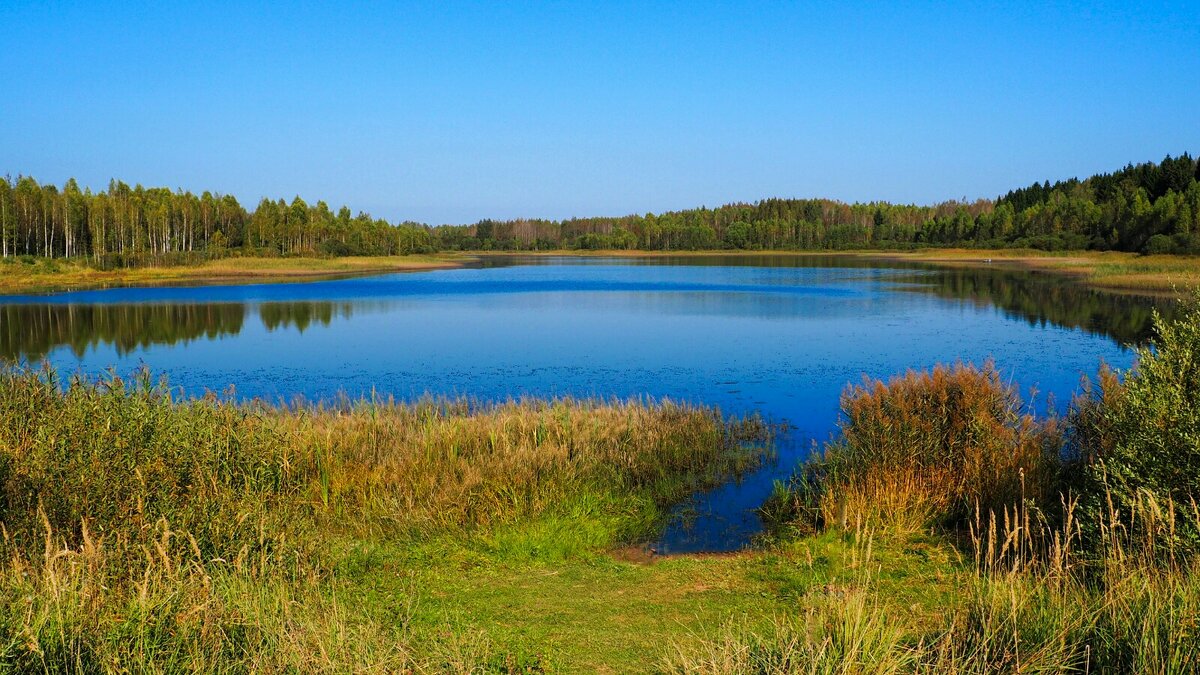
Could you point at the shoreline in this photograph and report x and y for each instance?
(220, 272)
(1113, 272)
(1108, 271)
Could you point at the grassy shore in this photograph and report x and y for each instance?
(51, 276)
(1110, 271)
(146, 533)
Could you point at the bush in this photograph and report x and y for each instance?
(1140, 439)
(1159, 244)
(926, 449)
(334, 248)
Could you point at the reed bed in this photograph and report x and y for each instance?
(924, 449)
(146, 532)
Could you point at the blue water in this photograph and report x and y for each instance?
(778, 336)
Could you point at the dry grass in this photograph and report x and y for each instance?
(74, 609)
(925, 449)
(443, 464)
(1038, 602)
(1110, 270)
(46, 276)
(160, 535)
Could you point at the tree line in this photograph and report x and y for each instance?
(123, 224)
(1150, 208)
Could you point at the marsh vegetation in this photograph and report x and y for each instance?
(1082, 533)
(200, 535)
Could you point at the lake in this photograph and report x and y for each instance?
(777, 335)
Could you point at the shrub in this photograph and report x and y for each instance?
(1140, 438)
(334, 248)
(926, 449)
(1159, 244)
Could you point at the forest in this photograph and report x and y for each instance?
(1143, 208)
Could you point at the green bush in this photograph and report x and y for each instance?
(1139, 439)
(1159, 244)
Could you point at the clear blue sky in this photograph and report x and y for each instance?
(449, 112)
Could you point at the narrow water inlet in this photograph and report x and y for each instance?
(726, 518)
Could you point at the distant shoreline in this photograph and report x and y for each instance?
(1111, 271)
(19, 278)
(1115, 272)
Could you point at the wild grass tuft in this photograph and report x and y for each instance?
(1036, 602)
(924, 449)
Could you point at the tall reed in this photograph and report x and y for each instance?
(924, 449)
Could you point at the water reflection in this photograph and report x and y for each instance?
(301, 315)
(30, 332)
(1035, 297)
(1041, 299)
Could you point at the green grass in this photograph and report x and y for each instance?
(608, 612)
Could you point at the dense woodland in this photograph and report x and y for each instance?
(1149, 208)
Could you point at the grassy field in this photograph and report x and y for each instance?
(46, 276)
